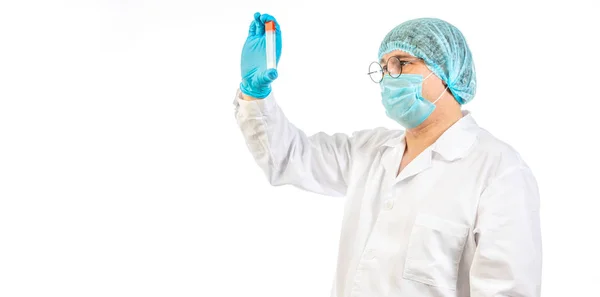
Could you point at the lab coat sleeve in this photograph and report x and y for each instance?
(508, 256)
(318, 163)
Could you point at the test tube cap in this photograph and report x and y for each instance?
(270, 26)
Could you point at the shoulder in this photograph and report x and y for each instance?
(506, 179)
(500, 160)
(498, 150)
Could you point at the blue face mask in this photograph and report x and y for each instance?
(402, 99)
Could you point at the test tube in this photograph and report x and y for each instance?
(271, 54)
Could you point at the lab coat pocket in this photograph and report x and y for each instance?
(434, 250)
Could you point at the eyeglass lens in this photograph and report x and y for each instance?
(375, 72)
(394, 68)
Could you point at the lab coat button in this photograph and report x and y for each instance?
(389, 204)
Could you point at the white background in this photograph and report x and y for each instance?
(123, 172)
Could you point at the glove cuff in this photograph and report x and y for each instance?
(258, 94)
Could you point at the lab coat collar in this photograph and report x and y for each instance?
(457, 141)
(454, 143)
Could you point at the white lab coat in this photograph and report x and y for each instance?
(462, 219)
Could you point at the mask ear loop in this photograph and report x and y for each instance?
(428, 76)
(442, 94)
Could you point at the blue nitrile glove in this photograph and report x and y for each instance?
(256, 78)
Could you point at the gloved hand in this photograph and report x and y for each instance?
(256, 78)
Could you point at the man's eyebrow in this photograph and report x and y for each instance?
(401, 56)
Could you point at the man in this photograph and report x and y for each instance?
(441, 208)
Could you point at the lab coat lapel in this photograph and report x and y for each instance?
(391, 160)
(392, 156)
(421, 163)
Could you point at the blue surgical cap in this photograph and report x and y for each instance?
(443, 48)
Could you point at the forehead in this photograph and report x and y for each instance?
(397, 53)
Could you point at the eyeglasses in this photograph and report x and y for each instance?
(393, 66)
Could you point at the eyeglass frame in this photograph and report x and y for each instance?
(384, 68)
